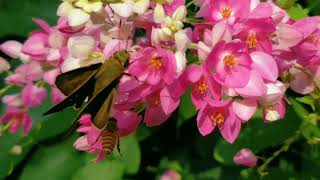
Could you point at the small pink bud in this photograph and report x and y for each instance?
(245, 157)
(12, 100)
(11, 48)
(81, 143)
(171, 175)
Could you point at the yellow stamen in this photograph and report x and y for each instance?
(217, 119)
(226, 12)
(271, 108)
(155, 64)
(230, 61)
(202, 87)
(252, 40)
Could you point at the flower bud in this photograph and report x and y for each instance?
(180, 13)
(245, 157)
(77, 17)
(11, 48)
(81, 46)
(64, 8)
(171, 175)
(4, 65)
(141, 6)
(301, 83)
(159, 14)
(16, 150)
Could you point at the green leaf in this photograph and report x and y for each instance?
(45, 127)
(8, 159)
(256, 135)
(186, 109)
(53, 162)
(309, 100)
(214, 173)
(131, 154)
(143, 132)
(104, 170)
(297, 12)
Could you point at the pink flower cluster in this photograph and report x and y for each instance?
(248, 54)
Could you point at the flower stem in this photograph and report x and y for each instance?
(285, 147)
(5, 89)
(190, 3)
(6, 127)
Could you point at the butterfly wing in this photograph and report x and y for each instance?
(77, 85)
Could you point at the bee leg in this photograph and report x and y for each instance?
(118, 146)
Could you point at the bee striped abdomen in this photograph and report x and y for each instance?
(109, 140)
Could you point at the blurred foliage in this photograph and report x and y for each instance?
(47, 153)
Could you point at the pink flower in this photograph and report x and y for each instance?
(12, 100)
(301, 82)
(230, 11)
(127, 122)
(25, 73)
(256, 34)
(219, 32)
(274, 112)
(307, 51)
(219, 114)
(17, 118)
(170, 8)
(50, 76)
(273, 103)
(154, 114)
(265, 65)
(154, 65)
(89, 142)
(56, 95)
(204, 87)
(33, 96)
(231, 65)
(245, 157)
(37, 46)
(245, 109)
(255, 88)
(44, 44)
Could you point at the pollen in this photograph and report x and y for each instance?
(230, 61)
(202, 87)
(271, 108)
(155, 64)
(226, 12)
(217, 119)
(155, 100)
(252, 40)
